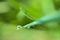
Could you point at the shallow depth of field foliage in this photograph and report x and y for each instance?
(22, 12)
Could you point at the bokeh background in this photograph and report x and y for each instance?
(12, 14)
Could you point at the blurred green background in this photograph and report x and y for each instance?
(22, 12)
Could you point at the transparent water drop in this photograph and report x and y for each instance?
(19, 27)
